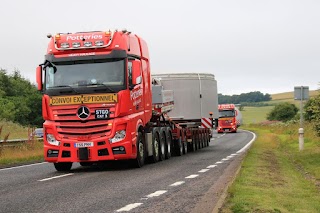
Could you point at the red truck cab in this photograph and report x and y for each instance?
(227, 118)
(96, 96)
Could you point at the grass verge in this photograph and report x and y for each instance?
(275, 176)
(21, 154)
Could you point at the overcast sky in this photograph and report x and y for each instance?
(249, 45)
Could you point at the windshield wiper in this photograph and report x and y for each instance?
(105, 87)
(64, 86)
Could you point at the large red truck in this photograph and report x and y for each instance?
(100, 103)
(229, 118)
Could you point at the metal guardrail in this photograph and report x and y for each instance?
(15, 142)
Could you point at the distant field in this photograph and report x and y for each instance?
(289, 97)
(252, 115)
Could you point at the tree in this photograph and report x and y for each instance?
(283, 112)
(251, 97)
(20, 101)
(312, 112)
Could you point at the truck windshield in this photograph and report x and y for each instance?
(85, 73)
(226, 113)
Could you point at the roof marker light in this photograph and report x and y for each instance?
(76, 44)
(87, 44)
(57, 37)
(65, 45)
(98, 43)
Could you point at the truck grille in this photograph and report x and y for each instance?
(70, 126)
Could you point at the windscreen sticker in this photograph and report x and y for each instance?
(83, 99)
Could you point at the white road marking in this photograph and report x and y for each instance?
(219, 162)
(203, 170)
(60, 176)
(225, 159)
(156, 194)
(230, 156)
(178, 183)
(249, 144)
(211, 166)
(129, 207)
(234, 154)
(17, 167)
(191, 176)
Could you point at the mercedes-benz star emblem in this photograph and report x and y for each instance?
(83, 112)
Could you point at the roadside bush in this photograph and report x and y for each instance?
(283, 112)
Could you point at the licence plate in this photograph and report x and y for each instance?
(83, 144)
(227, 129)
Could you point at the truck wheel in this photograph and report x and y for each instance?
(86, 163)
(61, 167)
(139, 161)
(155, 146)
(169, 143)
(178, 147)
(162, 147)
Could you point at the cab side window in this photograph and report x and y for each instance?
(130, 72)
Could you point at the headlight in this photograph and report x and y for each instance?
(119, 136)
(51, 140)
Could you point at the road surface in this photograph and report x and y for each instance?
(190, 183)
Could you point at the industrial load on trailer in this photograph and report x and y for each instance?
(100, 103)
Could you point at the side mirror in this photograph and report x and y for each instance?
(136, 72)
(39, 77)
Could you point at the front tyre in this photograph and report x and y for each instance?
(62, 167)
(140, 160)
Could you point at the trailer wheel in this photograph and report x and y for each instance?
(178, 147)
(192, 145)
(200, 141)
(169, 143)
(197, 140)
(61, 167)
(155, 146)
(139, 161)
(185, 147)
(208, 139)
(203, 140)
(162, 147)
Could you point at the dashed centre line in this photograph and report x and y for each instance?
(55, 177)
(211, 166)
(129, 207)
(203, 170)
(178, 183)
(191, 176)
(156, 194)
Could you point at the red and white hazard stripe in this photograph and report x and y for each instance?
(206, 123)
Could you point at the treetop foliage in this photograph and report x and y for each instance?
(251, 97)
(20, 101)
